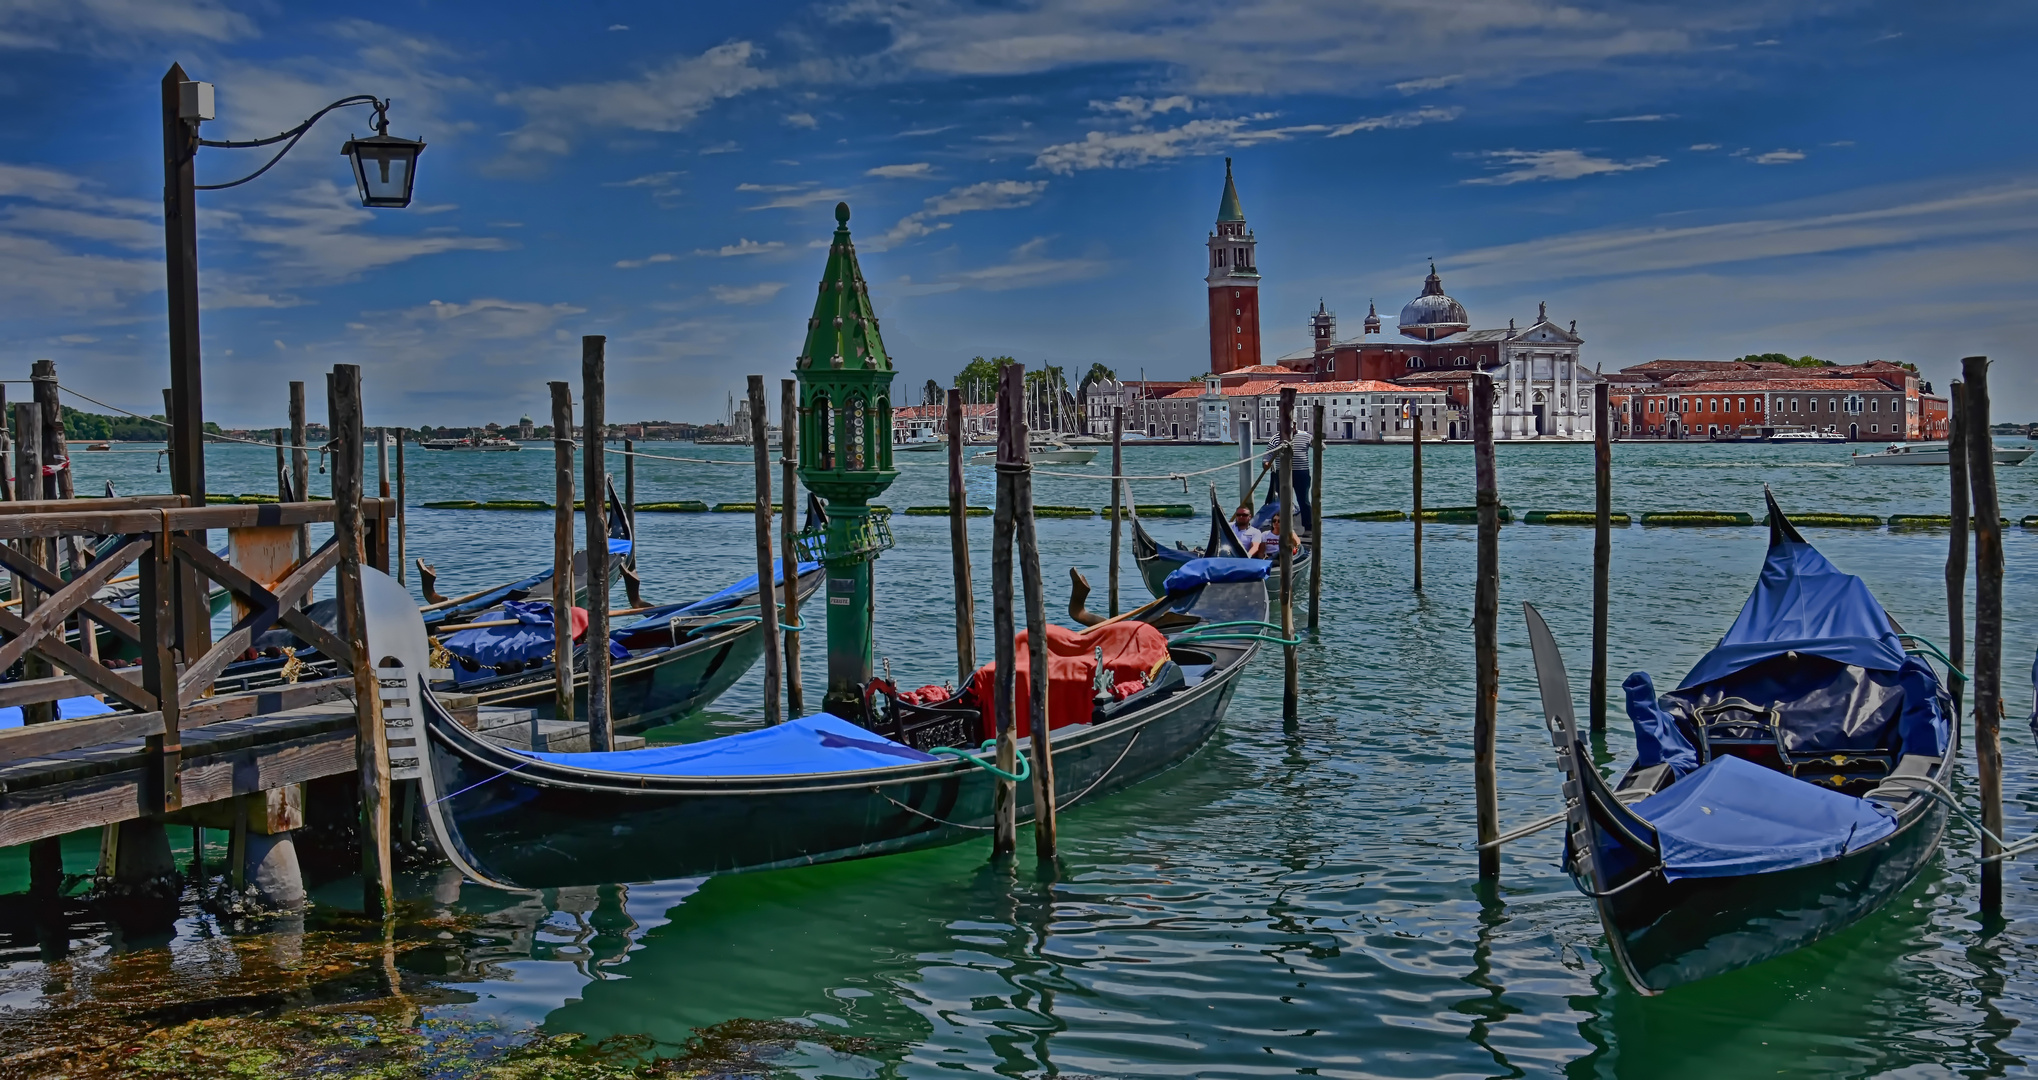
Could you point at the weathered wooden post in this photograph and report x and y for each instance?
(789, 549)
(1117, 496)
(382, 462)
(1291, 698)
(958, 544)
(1004, 654)
(1602, 544)
(45, 857)
(1246, 479)
(282, 471)
(1038, 719)
(378, 536)
(1415, 485)
(300, 465)
(402, 529)
(767, 595)
(594, 463)
(1988, 625)
(1486, 629)
(6, 451)
(1316, 432)
(562, 552)
(371, 750)
(1956, 546)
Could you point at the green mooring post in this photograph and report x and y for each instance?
(846, 458)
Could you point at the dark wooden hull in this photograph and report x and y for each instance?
(1666, 934)
(520, 823)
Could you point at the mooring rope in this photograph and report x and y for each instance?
(1025, 769)
(320, 448)
(1945, 794)
(744, 463)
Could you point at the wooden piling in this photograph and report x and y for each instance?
(1485, 630)
(45, 857)
(1956, 546)
(595, 494)
(300, 465)
(1011, 450)
(1602, 544)
(958, 543)
(1039, 721)
(1315, 513)
(1291, 698)
(1117, 496)
(1246, 478)
(402, 527)
(562, 551)
(1415, 487)
(6, 450)
(382, 462)
(1988, 624)
(788, 532)
(371, 756)
(282, 471)
(767, 596)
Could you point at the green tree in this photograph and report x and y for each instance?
(931, 393)
(1782, 358)
(1097, 373)
(980, 376)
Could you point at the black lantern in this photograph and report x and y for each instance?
(384, 166)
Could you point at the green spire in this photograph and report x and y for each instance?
(1229, 209)
(843, 330)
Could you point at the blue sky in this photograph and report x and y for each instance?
(1033, 177)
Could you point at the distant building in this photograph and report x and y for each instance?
(1878, 401)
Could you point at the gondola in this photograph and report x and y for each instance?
(1157, 562)
(1778, 794)
(822, 788)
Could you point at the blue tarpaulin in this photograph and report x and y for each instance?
(820, 743)
(530, 639)
(69, 708)
(1804, 604)
(1199, 572)
(1732, 817)
(1657, 738)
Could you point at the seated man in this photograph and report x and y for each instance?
(1254, 540)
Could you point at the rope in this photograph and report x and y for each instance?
(932, 818)
(1945, 794)
(478, 783)
(1025, 770)
(685, 460)
(213, 435)
(794, 629)
(1170, 476)
(1106, 773)
(1934, 650)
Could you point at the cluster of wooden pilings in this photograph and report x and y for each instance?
(1973, 506)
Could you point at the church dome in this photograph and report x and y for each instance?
(1433, 315)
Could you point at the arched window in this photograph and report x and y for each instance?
(879, 428)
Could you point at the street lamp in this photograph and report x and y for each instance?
(384, 165)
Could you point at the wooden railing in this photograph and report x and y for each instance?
(171, 688)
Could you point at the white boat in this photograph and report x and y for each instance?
(1808, 437)
(493, 443)
(1932, 453)
(1043, 454)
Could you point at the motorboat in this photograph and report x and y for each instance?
(1050, 453)
(1932, 453)
(492, 443)
(1807, 437)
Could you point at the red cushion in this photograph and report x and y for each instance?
(1132, 650)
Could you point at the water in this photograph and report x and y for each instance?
(1296, 898)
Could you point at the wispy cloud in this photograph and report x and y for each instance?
(632, 264)
(1139, 108)
(1705, 146)
(746, 294)
(667, 98)
(1140, 146)
(989, 195)
(916, 132)
(1028, 265)
(802, 120)
(1776, 157)
(1523, 166)
(650, 180)
(1431, 82)
(908, 171)
(1638, 118)
(741, 247)
(788, 196)
(1430, 114)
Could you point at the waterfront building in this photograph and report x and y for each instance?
(1141, 399)
(1354, 410)
(1878, 401)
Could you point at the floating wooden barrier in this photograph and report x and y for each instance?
(1698, 518)
(1576, 517)
(1370, 515)
(2030, 521)
(1064, 512)
(742, 508)
(1462, 515)
(239, 499)
(1929, 521)
(1162, 510)
(496, 504)
(684, 506)
(942, 511)
(1832, 521)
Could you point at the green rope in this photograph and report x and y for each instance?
(793, 629)
(1192, 639)
(1024, 772)
(1934, 650)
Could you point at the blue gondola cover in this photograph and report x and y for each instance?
(1657, 738)
(820, 743)
(1199, 572)
(530, 639)
(1804, 604)
(1732, 817)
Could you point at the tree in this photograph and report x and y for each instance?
(979, 377)
(931, 393)
(1097, 373)
(1786, 360)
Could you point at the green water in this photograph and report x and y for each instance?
(1297, 898)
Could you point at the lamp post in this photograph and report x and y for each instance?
(384, 169)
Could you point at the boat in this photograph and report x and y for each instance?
(1157, 562)
(98, 446)
(487, 443)
(1807, 437)
(1784, 791)
(1048, 453)
(823, 788)
(1932, 453)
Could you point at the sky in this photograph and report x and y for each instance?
(1033, 178)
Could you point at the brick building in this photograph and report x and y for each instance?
(1724, 399)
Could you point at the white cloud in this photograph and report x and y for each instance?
(729, 147)
(1139, 108)
(1027, 266)
(665, 99)
(970, 198)
(1429, 114)
(901, 172)
(1638, 118)
(319, 233)
(802, 120)
(618, 26)
(1778, 157)
(1705, 146)
(1521, 166)
(787, 196)
(927, 131)
(632, 264)
(741, 247)
(117, 26)
(1433, 82)
(650, 180)
(747, 294)
(1131, 149)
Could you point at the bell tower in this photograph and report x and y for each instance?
(1234, 280)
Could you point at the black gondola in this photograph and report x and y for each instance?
(1157, 562)
(523, 820)
(1777, 795)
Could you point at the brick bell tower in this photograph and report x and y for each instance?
(1234, 281)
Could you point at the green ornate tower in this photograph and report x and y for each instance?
(846, 458)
